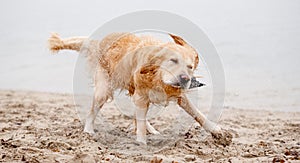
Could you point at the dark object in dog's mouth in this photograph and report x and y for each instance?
(195, 83)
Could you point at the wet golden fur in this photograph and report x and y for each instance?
(109, 52)
(143, 66)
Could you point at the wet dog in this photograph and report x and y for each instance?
(150, 70)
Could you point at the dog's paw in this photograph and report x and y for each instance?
(216, 129)
(212, 127)
(141, 139)
(151, 129)
(155, 132)
(222, 137)
(88, 129)
(92, 132)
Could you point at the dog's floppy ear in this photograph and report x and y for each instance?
(149, 69)
(178, 40)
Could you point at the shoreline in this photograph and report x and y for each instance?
(41, 126)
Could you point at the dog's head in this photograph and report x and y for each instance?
(174, 62)
(176, 71)
(179, 64)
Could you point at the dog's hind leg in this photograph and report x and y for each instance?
(90, 119)
(101, 94)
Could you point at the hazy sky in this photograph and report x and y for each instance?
(258, 41)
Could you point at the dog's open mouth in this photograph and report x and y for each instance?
(176, 85)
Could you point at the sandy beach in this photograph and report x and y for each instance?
(44, 127)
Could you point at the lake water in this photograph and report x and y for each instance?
(258, 42)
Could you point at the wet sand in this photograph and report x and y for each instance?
(44, 127)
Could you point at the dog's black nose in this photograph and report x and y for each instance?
(184, 79)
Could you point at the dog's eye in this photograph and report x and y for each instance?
(174, 60)
(189, 66)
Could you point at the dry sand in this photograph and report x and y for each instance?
(44, 127)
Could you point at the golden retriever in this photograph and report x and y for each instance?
(150, 70)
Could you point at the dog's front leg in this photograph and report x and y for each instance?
(208, 125)
(141, 125)
(220, 136)
(141, 113)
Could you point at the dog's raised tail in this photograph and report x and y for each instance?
(56, 43)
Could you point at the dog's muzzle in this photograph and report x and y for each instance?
(184, 80)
